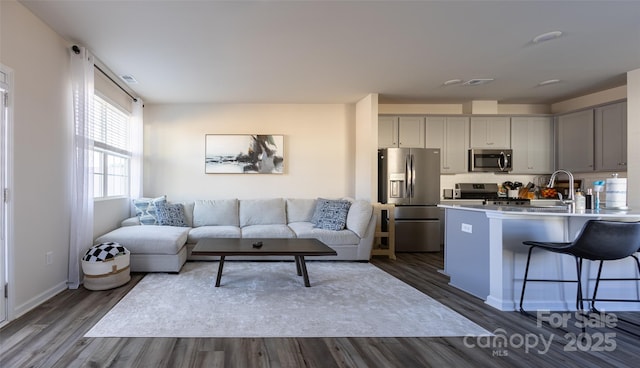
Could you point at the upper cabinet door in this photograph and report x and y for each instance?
(532, 144)
(490, 132)
(451, 135)
(387, 132)
(575, 141)
(611, 137)
(411, 132)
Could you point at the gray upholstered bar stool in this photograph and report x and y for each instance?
(598, 240)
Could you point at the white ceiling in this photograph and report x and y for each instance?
(340, 51)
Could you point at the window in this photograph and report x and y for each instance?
(112, 153)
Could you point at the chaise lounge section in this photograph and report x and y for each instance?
(345, 225)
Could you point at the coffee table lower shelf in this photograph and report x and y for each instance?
(296, 247)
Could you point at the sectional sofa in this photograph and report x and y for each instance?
(162, 241)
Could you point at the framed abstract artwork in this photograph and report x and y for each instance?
(244, 154)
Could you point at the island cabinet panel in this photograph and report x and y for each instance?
(467, 251)
(611, 137)
(533, 145)
(451, 135)
(575, 141)
(490, 132)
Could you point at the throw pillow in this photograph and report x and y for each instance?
(331, 214)
(146, 209)
(171, 214)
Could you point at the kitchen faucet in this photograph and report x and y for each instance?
(571, 188)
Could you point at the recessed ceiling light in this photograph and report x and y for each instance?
(547, 36)
(452, 82)
(550, 81)
(129, 79)
(477, 81)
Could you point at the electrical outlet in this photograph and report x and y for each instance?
(467, 228)
(49, 258)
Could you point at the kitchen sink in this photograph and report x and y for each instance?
(552, 208)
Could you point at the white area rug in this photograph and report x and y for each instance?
(268, 299)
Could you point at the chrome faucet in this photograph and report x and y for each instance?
(571, 188)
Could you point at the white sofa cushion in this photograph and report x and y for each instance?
(222, 212)
(267, 231)
(202, 232)
(300, 210)
(148, 239)
(359, 216)
(262, 212)
(330, 237)
(188, 212)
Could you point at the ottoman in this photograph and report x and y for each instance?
(106, 266)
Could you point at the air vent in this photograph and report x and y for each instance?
(477, 81)
(129, 79)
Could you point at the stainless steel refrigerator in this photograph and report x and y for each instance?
(410, 178)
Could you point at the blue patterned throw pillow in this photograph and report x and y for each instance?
(331, 214)
(170, 214)
(146, 209)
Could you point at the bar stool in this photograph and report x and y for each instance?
(598, 240)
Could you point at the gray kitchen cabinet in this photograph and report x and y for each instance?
(451, 135)
(574, 144)
(610, 145)
(387, 131)
(532, 144)
(411, 132)
(490, 132)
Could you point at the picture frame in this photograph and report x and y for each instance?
(244, 154)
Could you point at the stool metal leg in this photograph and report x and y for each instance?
(524, 281)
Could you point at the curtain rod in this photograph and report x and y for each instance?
(76, 50)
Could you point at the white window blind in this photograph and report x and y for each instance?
(111, 127)
(112, 153)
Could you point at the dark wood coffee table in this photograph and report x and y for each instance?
(296, 247)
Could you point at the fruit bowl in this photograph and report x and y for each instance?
(550, 193)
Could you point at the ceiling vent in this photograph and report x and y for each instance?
(129, 79)
(477, 81)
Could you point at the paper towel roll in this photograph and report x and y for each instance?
(616, 189)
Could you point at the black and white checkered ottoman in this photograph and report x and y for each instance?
(106, 266)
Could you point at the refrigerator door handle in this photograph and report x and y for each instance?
(413, 178)
(407, 176)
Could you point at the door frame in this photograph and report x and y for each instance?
(6, 204)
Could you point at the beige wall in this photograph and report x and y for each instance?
(41, 155)
(593, 99)
(455, 109)
(319, 150)
(366, 173)
(633, 137)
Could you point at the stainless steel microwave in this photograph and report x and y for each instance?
(490, 160)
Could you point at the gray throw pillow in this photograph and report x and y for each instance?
(331, 214)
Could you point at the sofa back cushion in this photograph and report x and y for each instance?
(359, 216)
(300, 210)
(223, 212)
(262, 212)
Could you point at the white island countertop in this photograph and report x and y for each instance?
(497, 210)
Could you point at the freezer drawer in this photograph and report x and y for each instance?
(418, 235)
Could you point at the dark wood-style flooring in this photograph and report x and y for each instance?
(52, 336)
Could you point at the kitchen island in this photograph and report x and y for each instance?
(485, 257)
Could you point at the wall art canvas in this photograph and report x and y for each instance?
(244, 154)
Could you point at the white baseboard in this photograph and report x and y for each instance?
(37, 300)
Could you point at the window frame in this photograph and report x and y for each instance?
(107, 151)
